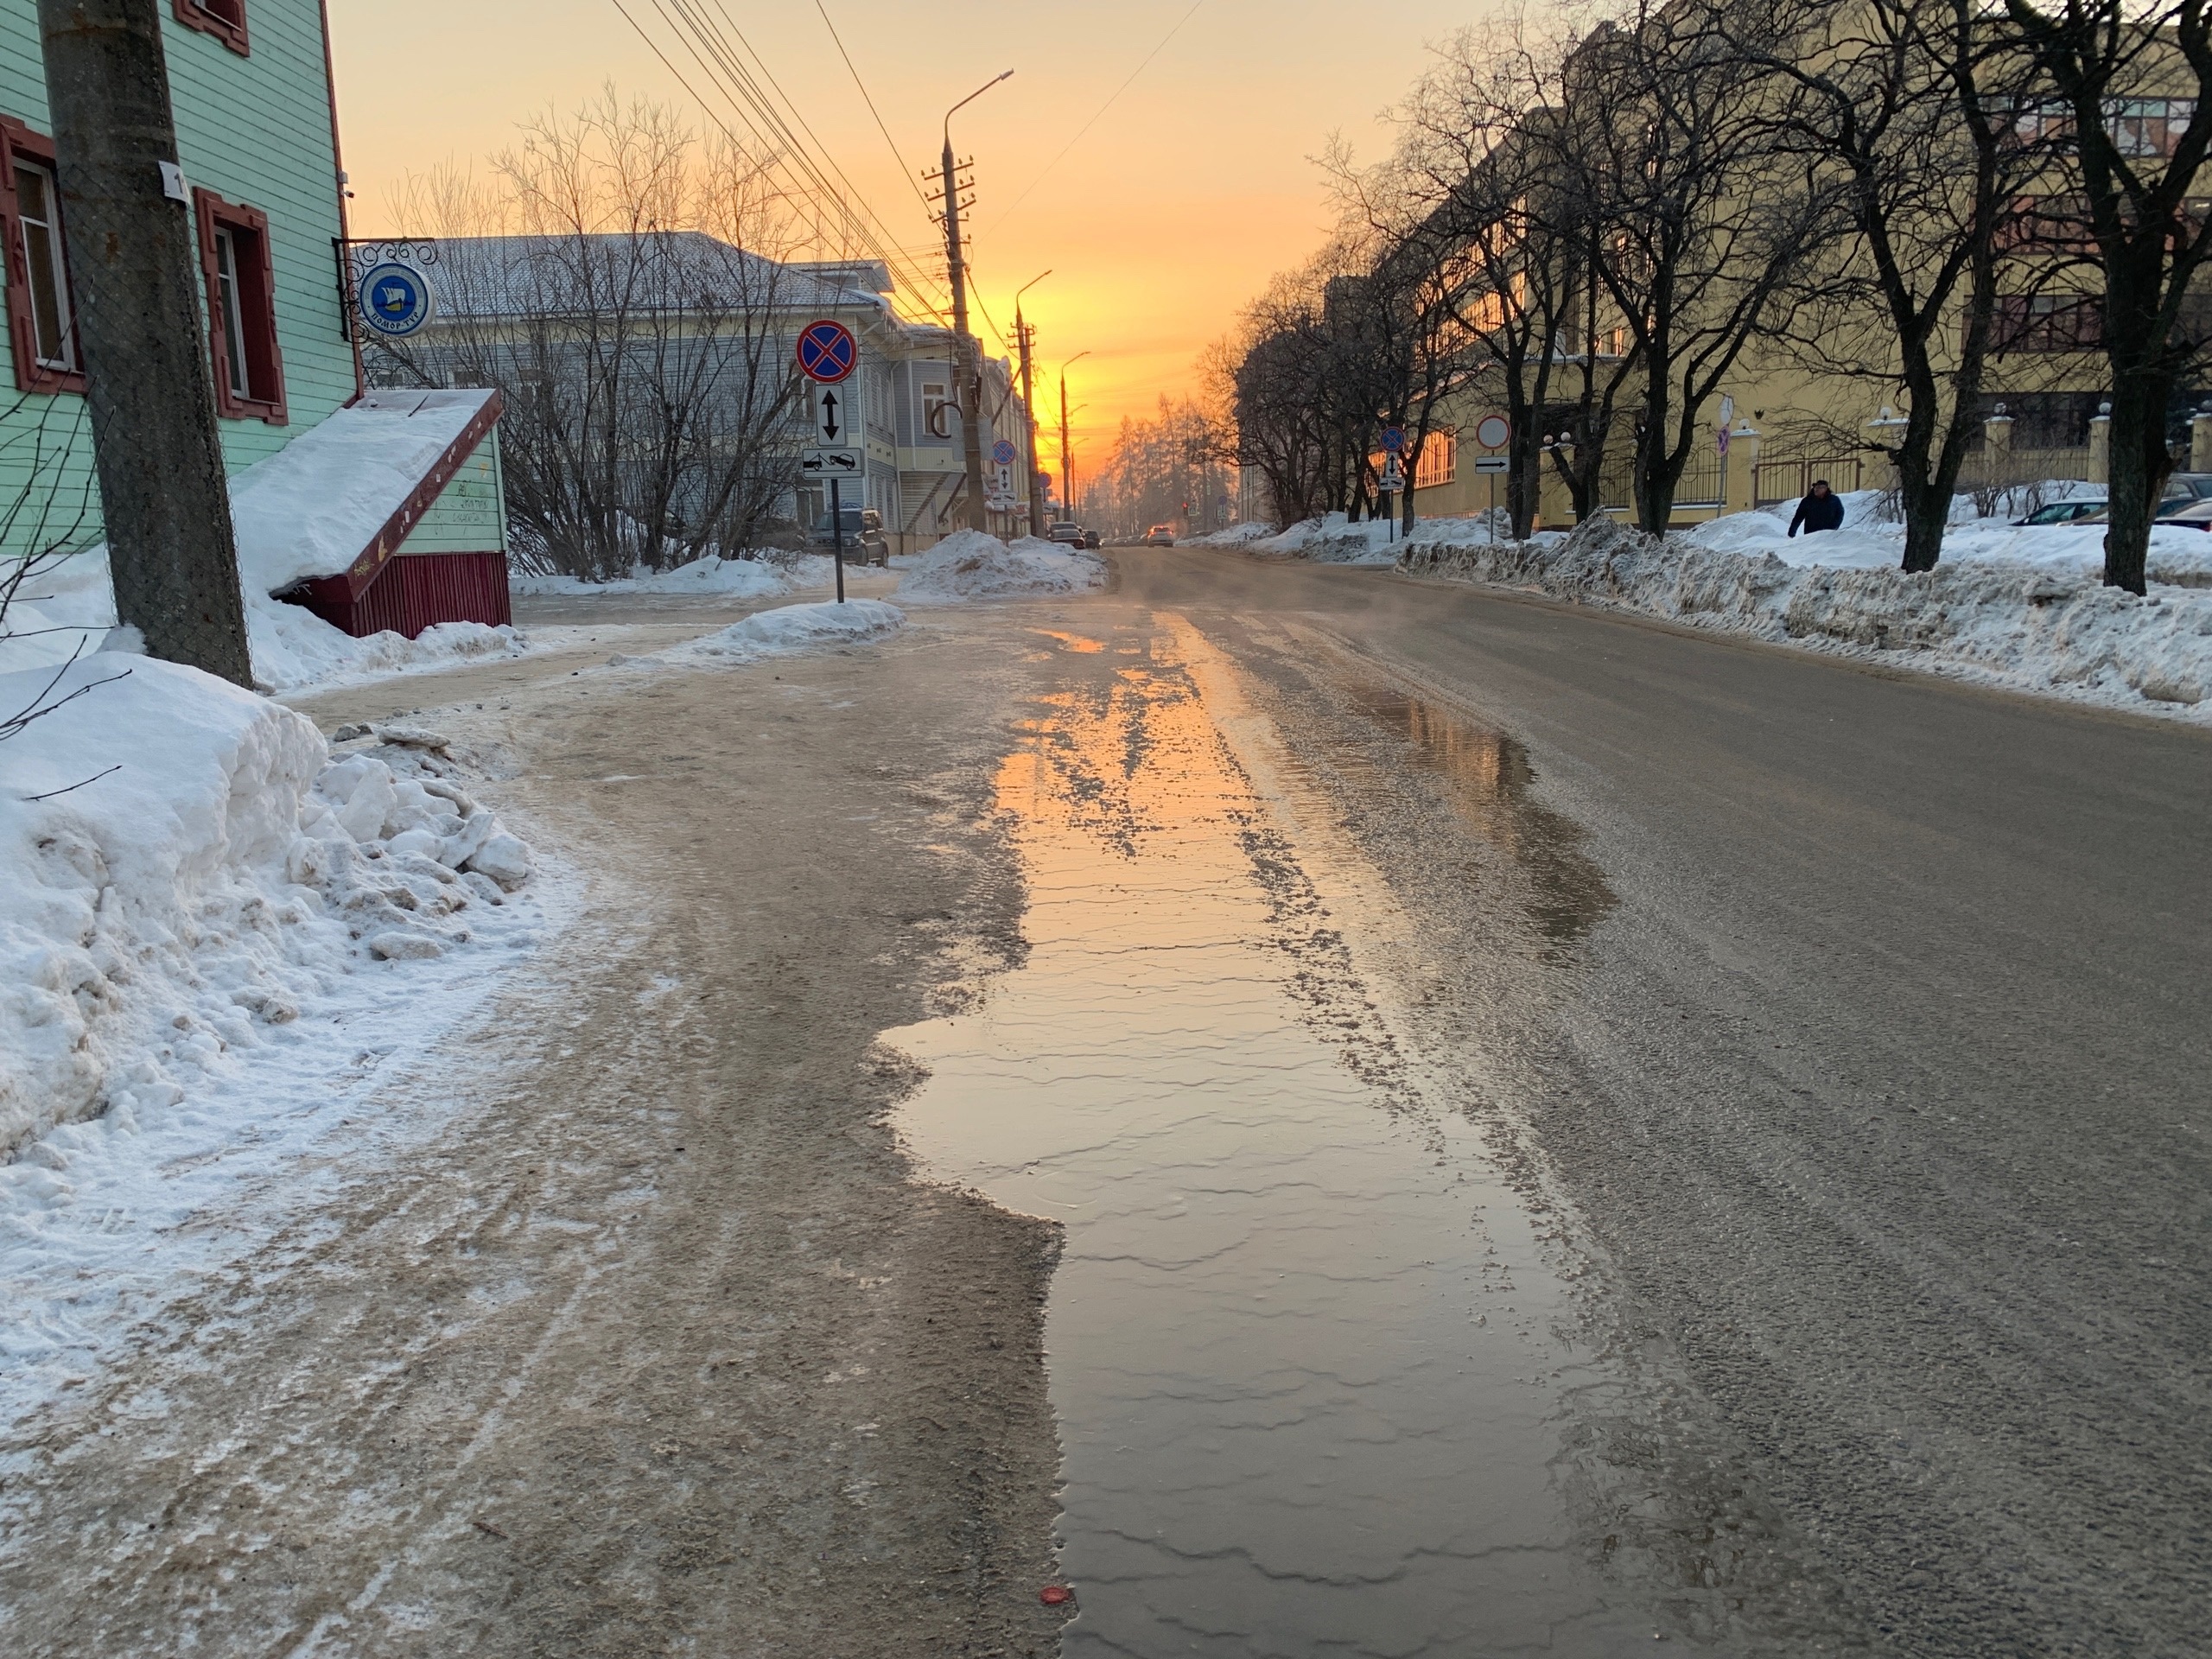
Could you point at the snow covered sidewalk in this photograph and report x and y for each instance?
(2019, 608)
(212, 933)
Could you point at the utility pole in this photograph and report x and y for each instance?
(1067, 464)
(967, 351)
(1021, 335)
(134, 267)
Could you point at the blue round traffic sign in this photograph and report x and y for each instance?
(1002, 453)
(1394, 439)
(394, 298)
(827, 351)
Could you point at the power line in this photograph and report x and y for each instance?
(905, 172)
(1099, 112)
(711, 50)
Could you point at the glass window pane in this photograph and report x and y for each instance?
(51, 335)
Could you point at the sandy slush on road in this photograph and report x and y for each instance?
(652, 1345)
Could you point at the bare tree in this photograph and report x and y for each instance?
(1904, 112)
(1696, 221)
(2129, 110)
(620, 285)
(46, 517)
(1512, 250)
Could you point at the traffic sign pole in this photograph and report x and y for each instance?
(827, 354)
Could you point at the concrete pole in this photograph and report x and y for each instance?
(1029, 427)
(1067, 464)
(134, 265)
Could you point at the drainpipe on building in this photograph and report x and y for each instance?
(134, 264)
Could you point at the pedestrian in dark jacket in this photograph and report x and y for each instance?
(1819, 510)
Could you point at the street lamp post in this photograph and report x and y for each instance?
(1067, 465)
(968, 354)
(1035, 491)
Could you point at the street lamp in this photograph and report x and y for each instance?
(1033, 490)
(971, 374)
(1067, 466)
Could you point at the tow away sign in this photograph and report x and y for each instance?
(824, 463)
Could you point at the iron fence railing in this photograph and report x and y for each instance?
(1783, 480)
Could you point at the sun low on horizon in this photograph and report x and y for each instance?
(1154, 157)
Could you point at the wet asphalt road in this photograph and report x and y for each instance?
(1882, 1086)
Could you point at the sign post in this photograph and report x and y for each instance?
(827, 354)
(1493, 432)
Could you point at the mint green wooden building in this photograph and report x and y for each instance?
(257, 129)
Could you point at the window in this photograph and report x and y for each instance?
(241, 309)
(2150, 126)
(224, 19)
(2047, 322)
(42, 319)
(936, 419)
(1439, 462)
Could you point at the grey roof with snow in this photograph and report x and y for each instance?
(484, 276)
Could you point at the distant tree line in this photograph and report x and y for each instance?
(1593, 223)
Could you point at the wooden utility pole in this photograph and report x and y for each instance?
(967, 352)
(134, 270)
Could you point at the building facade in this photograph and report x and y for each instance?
(256, 118)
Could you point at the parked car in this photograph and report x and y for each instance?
(2196, 515)
(864, 542)
(2064, 512)
(1160, 535)
(1090, 539)
(2195, 486)
(1065, 531)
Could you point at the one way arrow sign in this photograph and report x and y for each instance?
(830, 426)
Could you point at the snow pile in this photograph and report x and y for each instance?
(2047, 625)
(969, 564)
(2179, 555)
(711, 575)
(790, 629)
(200, 877)
(1242, 535)
(70, 609)
(1333, 540)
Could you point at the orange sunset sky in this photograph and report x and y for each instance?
(1163, 220)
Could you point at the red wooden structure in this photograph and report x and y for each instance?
(381, 590)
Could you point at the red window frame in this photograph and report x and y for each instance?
(17, 140)
(224, 19)
(256, 278)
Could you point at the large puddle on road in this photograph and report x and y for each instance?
(1302, 1340)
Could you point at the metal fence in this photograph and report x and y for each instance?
(1701, 485)
(1785, 480)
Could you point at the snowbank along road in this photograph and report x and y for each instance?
(1473, 1128)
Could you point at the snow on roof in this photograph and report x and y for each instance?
(490, 276)
(310, 509)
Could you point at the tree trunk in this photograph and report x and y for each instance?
(2139, 464)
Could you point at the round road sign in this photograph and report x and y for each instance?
(394, 299)
(1394, 439)
(1492, 430)
(827, 351)
(1002, 453)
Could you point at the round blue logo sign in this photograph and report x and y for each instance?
(395, 299)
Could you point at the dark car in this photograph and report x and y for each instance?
(2063, 512)
(864, 542)
(1090, 539)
